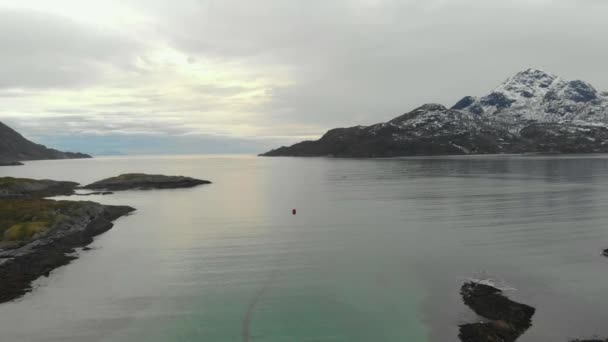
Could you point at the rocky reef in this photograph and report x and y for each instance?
(142, 181)
(39, 234)
(506, 319)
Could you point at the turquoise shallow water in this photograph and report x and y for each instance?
(377, 251)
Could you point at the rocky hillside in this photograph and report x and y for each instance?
(532, 111)
(14, 147)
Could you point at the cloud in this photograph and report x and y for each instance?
(359, 62)
(43, 50)
(275, 69)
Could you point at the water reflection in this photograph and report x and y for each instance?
(378, 250)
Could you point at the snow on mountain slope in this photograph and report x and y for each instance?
(537, 95)
(532, 111)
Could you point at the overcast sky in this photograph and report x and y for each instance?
(213, 76)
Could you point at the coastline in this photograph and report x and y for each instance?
(20, 266)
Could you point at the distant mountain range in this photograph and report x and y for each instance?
(14, 148)
(532, 111)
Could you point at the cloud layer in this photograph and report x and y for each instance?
(280, 71)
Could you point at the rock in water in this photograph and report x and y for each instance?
(143, 181)
(605, 252)
(494, 331)
(507, 320)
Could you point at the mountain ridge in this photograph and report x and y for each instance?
(532, 111)
(15, 148)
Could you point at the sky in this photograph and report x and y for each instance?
(226, 76)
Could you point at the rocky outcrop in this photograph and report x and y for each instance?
(143, 181)
(31, 188)
(531, 112)
(10, 163)
(506, 319)
(73, 224)
(14, 147)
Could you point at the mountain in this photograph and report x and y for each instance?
(14, 147)
(532, 111)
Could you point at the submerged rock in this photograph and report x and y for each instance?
(32, 188)
(507, 319)
(605, 252)
(144, 181)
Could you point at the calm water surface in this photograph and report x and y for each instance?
(377, 251)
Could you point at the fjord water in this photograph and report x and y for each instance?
(377, 251)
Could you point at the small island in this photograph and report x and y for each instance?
(142, 181)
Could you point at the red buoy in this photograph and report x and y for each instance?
(293, 211)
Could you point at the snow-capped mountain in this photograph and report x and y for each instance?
(537, 95)
(532, 111)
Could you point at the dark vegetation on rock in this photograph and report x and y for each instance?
(32, 188)
(144, 182)
(506, 319)
(10, 163)
(38, 235)
(14, 148)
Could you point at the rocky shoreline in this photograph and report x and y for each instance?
(10, 163)
(22, 188)
(22, 263)
(38, 235)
